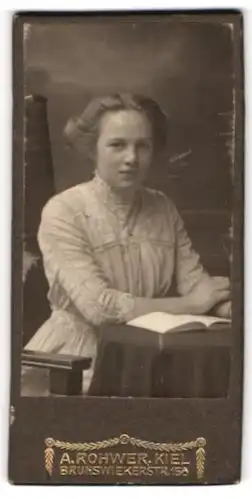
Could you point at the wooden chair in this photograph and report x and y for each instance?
(65, 371)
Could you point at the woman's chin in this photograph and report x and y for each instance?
(128, 182)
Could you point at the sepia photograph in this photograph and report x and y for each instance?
(129, 142)
(127, 248)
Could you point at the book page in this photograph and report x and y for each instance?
(209, 320)
(162, 322)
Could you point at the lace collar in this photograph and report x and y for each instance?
(112, 196)
(121, 206)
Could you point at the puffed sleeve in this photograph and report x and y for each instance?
(188, 268)
(69, 260)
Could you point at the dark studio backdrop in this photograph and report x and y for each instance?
(187, 67)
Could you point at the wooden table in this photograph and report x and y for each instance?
(193, 364)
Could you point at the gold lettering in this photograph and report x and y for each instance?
(125, 464)
(182, 459)
(164, 471)
(127, 471)
(131, 458)
(103, 458)
(117, 458)
(175, 458)
(135, 470)
(150, 471)
(142, 458)
(119, 470)
(63, 470)
(65, 458)
(179, 470)
(107, 470)
(92, 458)
(89, 470)
(72, 469)
(185, 471)
(160, 458)
(95, 470)
(142, 470)
(81, 458)
(81, 470)
(156, 469)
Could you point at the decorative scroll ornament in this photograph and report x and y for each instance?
(124, 439)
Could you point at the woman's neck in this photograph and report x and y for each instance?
(116, 195)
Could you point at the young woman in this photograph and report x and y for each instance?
(112, 246)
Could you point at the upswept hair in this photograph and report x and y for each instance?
(82, 132)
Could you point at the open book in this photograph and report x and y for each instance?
(162, 322)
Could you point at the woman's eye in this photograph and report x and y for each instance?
(117, 145)
(144, 145)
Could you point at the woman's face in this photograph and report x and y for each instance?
(124, 148)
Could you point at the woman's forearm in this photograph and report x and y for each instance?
(176, 305)
(200, 300)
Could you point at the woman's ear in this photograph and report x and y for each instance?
(91, 150)
(85, 145)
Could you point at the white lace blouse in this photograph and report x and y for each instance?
(99, 254)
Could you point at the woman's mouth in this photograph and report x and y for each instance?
(128, 173)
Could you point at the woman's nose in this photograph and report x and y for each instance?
(131, 155)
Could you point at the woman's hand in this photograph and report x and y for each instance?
(202, 298)
(208, 293)
(224, 310)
